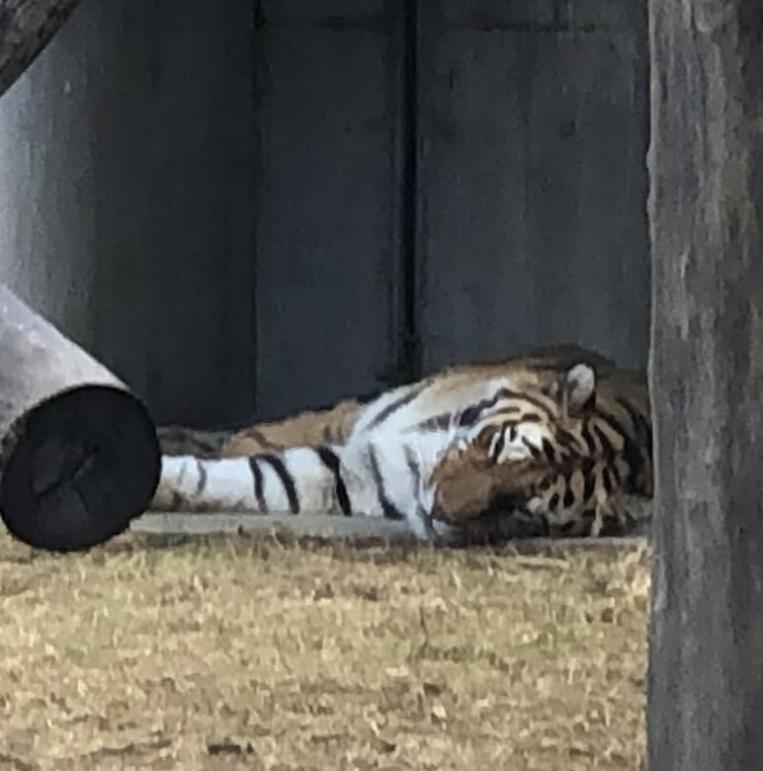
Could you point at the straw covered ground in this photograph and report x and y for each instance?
(263, 653)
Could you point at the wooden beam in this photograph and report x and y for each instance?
(26, 27)
(79, 455)
(705, 698)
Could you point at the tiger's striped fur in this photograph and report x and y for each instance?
(549, 442)
(307, 429)
(578, 485)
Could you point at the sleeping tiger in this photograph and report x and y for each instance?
(549, 443)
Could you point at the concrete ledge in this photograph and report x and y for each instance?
(321, 525)
(336, 527)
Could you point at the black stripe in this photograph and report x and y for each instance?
(589, 482)
(257, 474)
(648, 437)
(389, 509)
(471, 414)
(396, 405)
(614, 423)
(588, 437)
(549, 450)
(331, 461)
(631, 450)
(569, 494)
(629, 445)
(634, 459)
(258, 436)
(500, 444)
(413, 467)
(553, 502)
(569, 441)
(512, 410)
(641, 424)
(439, 422)
(607, 479)
(606, 445)
(286, 480)
(202, 476)
(639, 420)
(534, 451)
(566, 439)
(544, 408)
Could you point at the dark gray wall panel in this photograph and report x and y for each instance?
(213, 198)
(328, 198)
(533, 134)
(126, 197)
(47, 184)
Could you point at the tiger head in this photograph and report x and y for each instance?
(511, 446)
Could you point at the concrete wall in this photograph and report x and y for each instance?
(329, 201)
(249, 207)
(532, 181)
(126, 197)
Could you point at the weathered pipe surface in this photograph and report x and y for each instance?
(80, 456)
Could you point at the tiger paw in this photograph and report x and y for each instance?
(463, 485)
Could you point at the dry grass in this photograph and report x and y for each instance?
(254, 653)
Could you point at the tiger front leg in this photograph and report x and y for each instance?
(468, 483)
(495, 464)
(461, 487)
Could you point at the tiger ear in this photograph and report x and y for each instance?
(579, 389)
